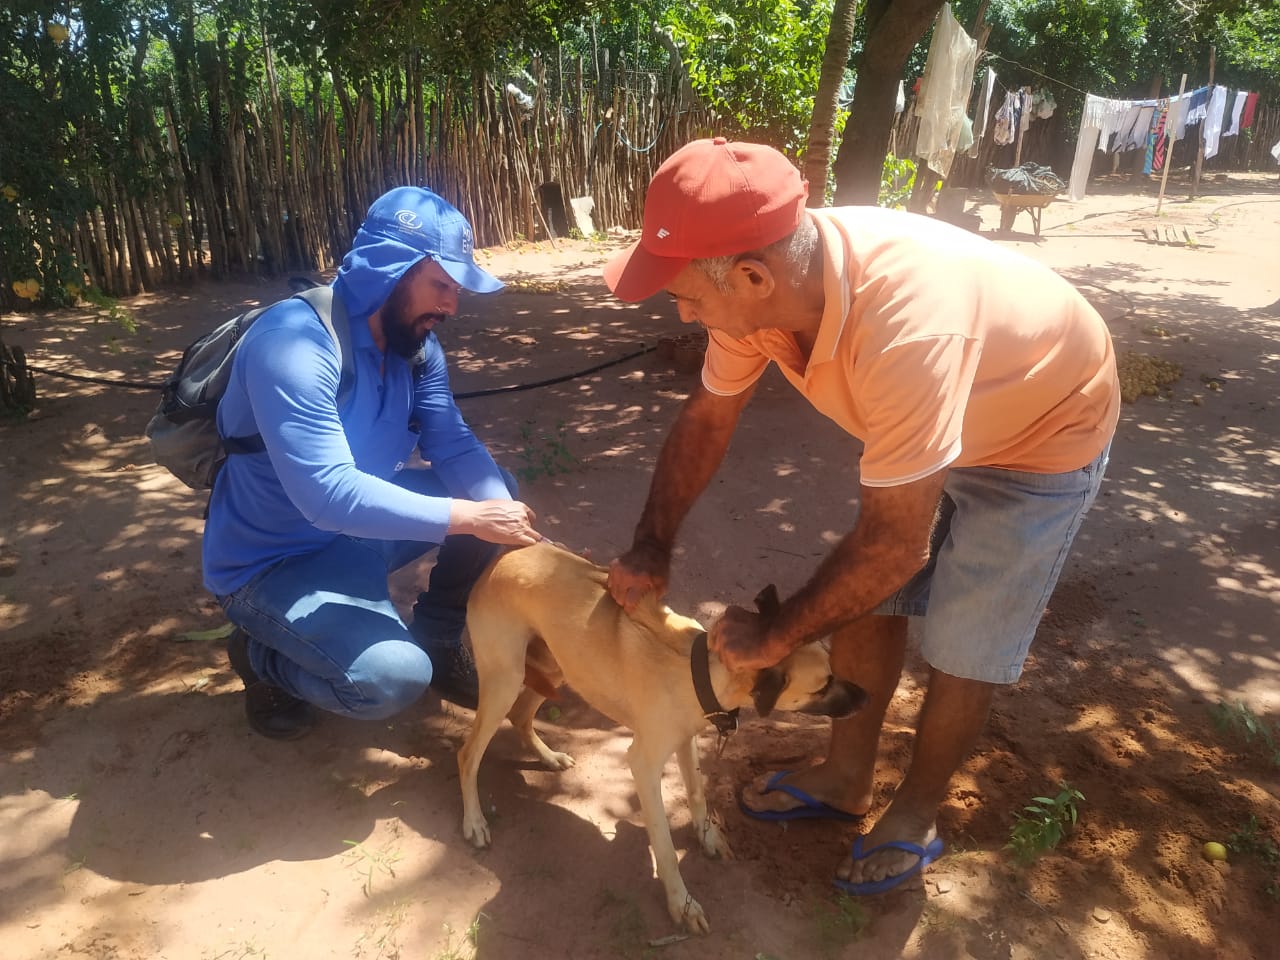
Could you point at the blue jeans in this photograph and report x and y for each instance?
(322, 626)
(998, 547)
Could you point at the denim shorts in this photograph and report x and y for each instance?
(997, 550)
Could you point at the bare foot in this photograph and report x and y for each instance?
(890, 862)
(822, 782)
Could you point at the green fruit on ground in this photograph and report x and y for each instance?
(1215, 851)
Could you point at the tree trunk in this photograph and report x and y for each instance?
(894, 27)
(822, 128)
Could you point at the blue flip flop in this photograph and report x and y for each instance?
(811, 807)
(926, 854)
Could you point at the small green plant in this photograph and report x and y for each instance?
(1043, 823)
(1237, 720)
(369, 862)
(380, 940)
(544, 454)
(1251, 841)
(461, 951)
(897, 179)
(111, 306)
(840, 923)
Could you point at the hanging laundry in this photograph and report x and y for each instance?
(988, 88)
(1113, 125)
(1024, 120)
(944, 92)
(1237, 108)
(1043, 104)
(901, 103)
(1213, 121)
(1099, 120)
(1250, 103)
(1177, 121)
(1007, 118)
(1137, 138)
(1197, 105)
(1158, 142)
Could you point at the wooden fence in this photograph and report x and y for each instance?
(284, 185)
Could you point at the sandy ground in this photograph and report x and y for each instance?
(139, 817)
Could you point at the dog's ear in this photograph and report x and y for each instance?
(838, 699)
(767, 689)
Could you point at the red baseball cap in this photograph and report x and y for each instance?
(711, 198)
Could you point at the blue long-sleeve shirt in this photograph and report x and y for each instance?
(327, 471)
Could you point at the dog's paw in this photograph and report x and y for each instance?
(688, 913)
(476, 829)
(554, 760)
(714, 844)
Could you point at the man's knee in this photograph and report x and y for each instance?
(387, 678)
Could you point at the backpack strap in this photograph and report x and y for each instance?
(332, 312)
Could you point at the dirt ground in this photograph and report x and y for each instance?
(140, 818)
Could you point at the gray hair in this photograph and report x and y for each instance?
(795, 250)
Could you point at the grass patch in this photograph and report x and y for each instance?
(544, 453)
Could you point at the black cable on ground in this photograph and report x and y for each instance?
(126, 384)
(517, 387)
(468, 395)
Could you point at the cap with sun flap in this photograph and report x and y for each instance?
(711, 198)
(424, 221)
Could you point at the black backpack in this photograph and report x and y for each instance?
(184, 429)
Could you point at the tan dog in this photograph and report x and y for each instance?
(544, 614)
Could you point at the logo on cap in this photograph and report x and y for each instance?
(407, 218)
(663, 233)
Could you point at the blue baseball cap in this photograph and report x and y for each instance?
(427, 223)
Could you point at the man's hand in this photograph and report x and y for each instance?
(743, 642)
(642, 569)
(495, 521)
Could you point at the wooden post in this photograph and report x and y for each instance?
(1168, 150)
(1195, 179)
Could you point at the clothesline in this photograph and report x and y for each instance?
(996, 56)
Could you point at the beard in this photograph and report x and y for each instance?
(401, 328)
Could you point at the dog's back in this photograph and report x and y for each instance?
(548, 594)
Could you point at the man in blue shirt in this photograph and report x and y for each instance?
(301, 537)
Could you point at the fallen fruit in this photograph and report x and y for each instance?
(1215, 851)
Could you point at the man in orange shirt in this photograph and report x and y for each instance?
(983, 388)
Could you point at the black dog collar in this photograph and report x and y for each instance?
(726, 721)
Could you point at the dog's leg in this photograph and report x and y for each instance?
(521, 716)
(713, 842)
(646, 768)
(498, 691)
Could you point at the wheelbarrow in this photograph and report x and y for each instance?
(1011, 204)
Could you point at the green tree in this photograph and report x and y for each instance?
(1249, 45)
(892, 30)
(755, 62)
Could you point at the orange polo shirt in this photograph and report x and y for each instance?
(938, 348)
